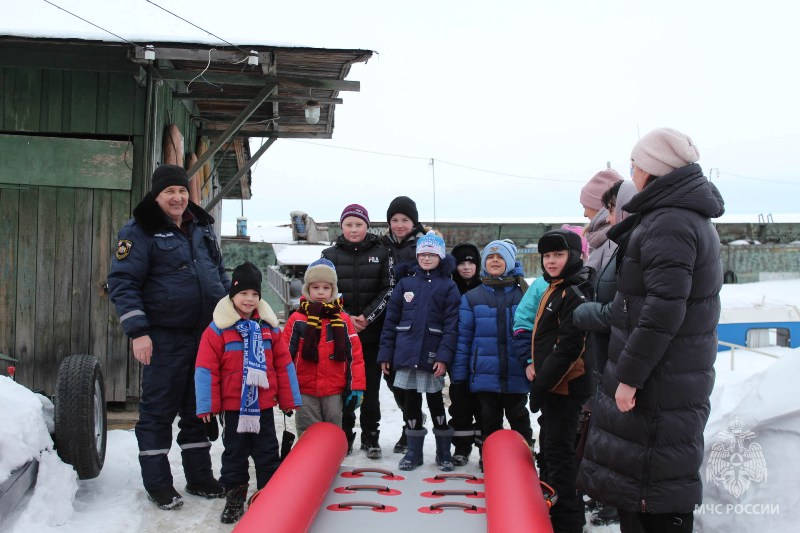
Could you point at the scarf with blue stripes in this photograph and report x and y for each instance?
(254, 375)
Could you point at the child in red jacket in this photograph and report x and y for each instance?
(243, 370)
(326, 350)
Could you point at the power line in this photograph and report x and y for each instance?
(364, 151)
(760, 179)
(429, 159)
(196, 26)
(90, 22)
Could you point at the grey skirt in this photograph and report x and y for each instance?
(418, 380)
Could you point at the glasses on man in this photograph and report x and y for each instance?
(427, 257)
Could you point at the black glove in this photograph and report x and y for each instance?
(212, 428)
(537, 397)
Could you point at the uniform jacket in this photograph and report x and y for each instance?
(664, 343)
(364, 278)
(327, 377)
(558, 354)
(421, 324)
(485, 356)
(162, 277)
(220, 362)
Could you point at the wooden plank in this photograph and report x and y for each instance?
(83, 102)
(25, 341)
(66, 101)
(45, 359)
(106, 57)
(93, 163)
(249, 80)
(27, 90)
(102, 103)
(3, 76)
(222, 97)
(55, 101)
(244, 184)
(9, 208)
(81, 271)
(101, 260)
(198, 54)
(121, 103)
(65, 252)
(116, 371)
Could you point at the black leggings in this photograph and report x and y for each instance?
(412, 409)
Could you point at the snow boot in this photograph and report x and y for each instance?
(413, 458)
(167, 498)
(210, 488)
(605, 516)
(369, 442)
(234, 504)
(402, 444)
(461, 454)
(444, 438)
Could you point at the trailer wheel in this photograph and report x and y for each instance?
(80, 417)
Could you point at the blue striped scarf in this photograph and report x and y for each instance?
(254, 375)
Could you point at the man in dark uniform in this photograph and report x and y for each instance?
(166, 277)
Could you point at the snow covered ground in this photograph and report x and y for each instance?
(755, 487)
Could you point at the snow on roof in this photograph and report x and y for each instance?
(298, 254)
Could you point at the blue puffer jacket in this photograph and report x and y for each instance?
(421, 324)
(485, 356)
(162, 277)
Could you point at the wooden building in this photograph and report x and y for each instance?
(82, 126)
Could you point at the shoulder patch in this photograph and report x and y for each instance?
(123, 249)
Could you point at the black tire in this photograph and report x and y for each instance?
(80, 418)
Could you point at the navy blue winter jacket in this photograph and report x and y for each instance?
(162, 277)
(485, 356)
(421, 325)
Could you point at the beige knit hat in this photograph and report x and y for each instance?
(663, 150)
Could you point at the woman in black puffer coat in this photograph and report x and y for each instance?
(645, 444)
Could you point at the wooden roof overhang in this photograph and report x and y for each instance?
(231, 100)
(252, 91)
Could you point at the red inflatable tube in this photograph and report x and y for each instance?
(514, 501)
(290, 501)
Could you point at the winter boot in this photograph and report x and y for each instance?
(234, 504)
(351, 437)
(444, 438)
(210, 488)
(413, 458)
(402, 444)
(461, 454)
(167, 498)
(369, 442)
(605, 516)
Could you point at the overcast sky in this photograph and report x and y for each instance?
(546, 91)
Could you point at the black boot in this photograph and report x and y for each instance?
(234, 504)
(444, 438)
(369, 443)
(402, 444)
(351, 436)
(413, 458)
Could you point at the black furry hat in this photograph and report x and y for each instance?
(245, 276)
(561, 239)
(167, 176)
(404, 205)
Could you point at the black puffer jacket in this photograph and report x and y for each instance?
(404, 251)
(364, 278)
(664, 343)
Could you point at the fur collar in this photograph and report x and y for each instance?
(152, 218)
(225, 314)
